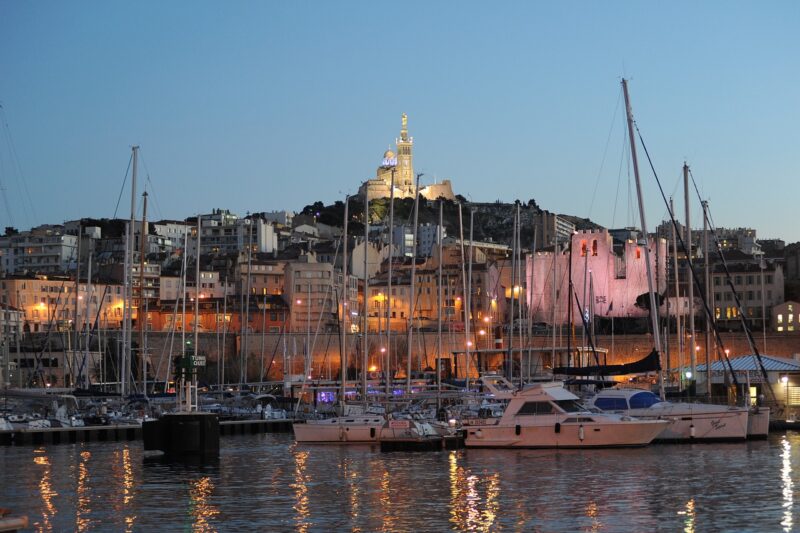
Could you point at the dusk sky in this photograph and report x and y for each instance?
(258, 106)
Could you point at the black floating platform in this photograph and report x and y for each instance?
(69, 435)
(126, 432)
(183, 435)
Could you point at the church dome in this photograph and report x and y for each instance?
(388, 154)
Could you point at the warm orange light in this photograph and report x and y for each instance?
(373, 368)
(482, 332)
(486, 319)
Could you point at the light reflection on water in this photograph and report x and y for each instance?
(268, 481)
(788, 484)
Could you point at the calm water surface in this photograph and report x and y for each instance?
(268, 482)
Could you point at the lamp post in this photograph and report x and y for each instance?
(785, 381)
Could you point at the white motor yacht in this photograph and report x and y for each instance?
(687, 421)
(546, 415)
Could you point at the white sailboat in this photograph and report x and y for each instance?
(362, 428)
(687, 421)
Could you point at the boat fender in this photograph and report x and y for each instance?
(517, 429)
(478, 434)
(558, 427)
(372, 433)
(581, 433)
(341, 433)
(691, 431)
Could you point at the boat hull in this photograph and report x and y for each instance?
(339, 430)
(699, 424)
(630, 433)
(758, 423)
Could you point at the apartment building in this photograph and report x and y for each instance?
(310, 293)
(53, 303)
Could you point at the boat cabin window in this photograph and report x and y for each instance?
(642, 400)
(611, 404)
(536, 408)
(571, 406)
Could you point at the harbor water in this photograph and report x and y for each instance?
(268, 482)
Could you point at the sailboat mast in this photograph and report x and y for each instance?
(77, 290)
(126, 356)
(193, 388)
(343, 306)
(87, 309)
(180, 386)
(555, 287)
(468, 294)
(709, 318)
(413, 288)
(439, 307)
(140, 318)
(640, 198)
(246, 323)
(388, 310)
(510, 354)
(224, 331)
(688, 243)
(365, 341)
(678, 330)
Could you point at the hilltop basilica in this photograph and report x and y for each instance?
(400, 166)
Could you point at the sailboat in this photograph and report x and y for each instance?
(345, 428)
(688, 422)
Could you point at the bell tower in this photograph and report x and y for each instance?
(405, 158)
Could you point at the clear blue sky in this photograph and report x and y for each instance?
(256, 106)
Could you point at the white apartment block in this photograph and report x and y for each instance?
(40, 253)
(428, 236)
(225, 236)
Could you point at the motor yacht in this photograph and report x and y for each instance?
(546, 415)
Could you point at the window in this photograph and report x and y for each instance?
(611, 404)
(594, 247)
(536, 408)
(643, 400)
(570, 406)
